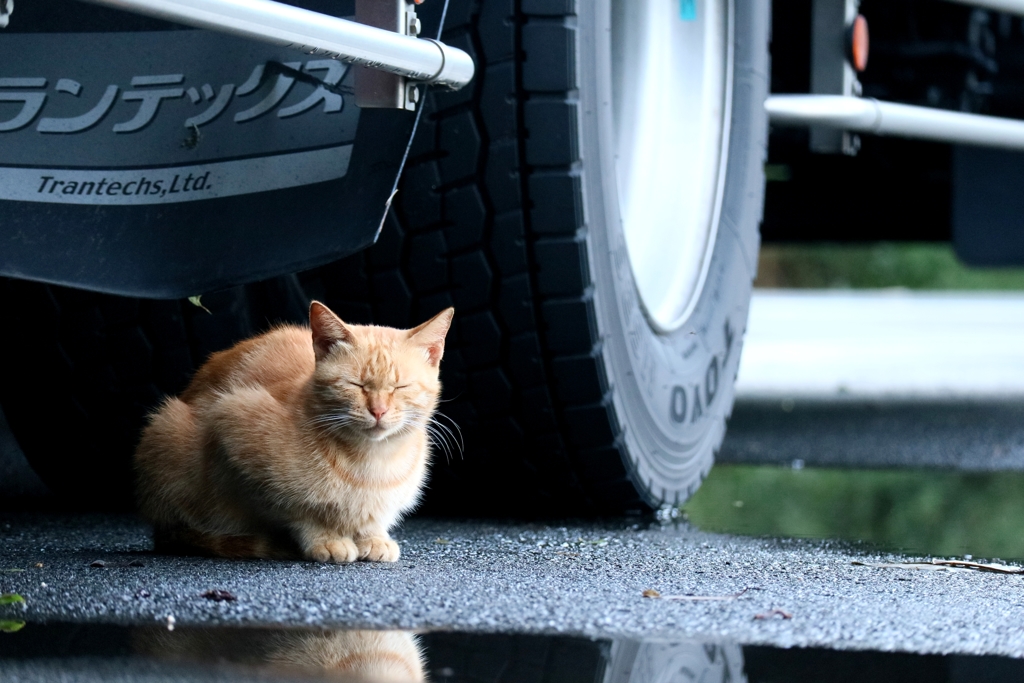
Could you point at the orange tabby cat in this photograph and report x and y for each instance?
(310, 441)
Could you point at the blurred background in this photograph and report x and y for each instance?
(880, 395)
(880, 389)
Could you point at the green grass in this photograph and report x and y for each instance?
(921, 512)
(911, 265)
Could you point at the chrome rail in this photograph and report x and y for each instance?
(868, 115)
(418, 59)
(1008, 6)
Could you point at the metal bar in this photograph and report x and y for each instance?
(314, 33)
(1008, 6)
(867, 115)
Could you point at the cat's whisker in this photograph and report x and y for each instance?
(435, 439)
(455, 441)
(407, 425)
(447, 451)
(333, 423)
(450, 441)
(433, 442)
(438, 439)
(329, 417)
(462, 444)
(440, 426)
(447, 435)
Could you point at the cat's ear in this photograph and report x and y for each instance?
(430, 335)
(328, 329)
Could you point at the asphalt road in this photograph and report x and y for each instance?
(582, 579)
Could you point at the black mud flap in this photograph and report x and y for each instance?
(142, 158)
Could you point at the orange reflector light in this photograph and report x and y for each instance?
(858, 43)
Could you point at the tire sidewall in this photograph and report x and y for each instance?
(672, 392)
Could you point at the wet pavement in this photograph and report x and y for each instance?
(584, 580)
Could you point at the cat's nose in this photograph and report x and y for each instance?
(378, 412)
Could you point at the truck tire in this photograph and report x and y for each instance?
(576, 389)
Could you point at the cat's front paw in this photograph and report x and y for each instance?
(337, 550)
(378, 549)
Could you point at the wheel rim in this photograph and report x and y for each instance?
(672, 94)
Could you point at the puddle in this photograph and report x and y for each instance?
(76, 652)
(925, 512)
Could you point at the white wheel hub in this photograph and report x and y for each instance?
(672, 91)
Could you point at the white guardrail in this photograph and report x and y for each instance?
(418, 59)
(1008, 6)
(868, 115)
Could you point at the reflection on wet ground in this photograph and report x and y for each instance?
(77, 652)
(928, 512)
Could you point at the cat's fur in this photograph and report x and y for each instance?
(309, 441)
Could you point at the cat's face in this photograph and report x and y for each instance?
(375, 382)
